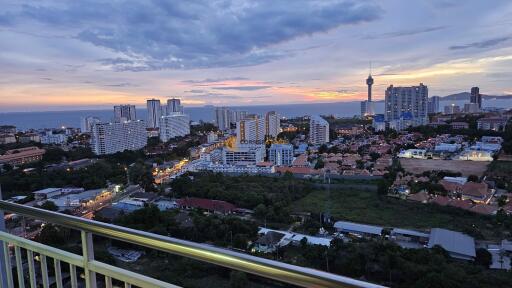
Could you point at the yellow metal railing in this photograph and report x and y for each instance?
(304, 277)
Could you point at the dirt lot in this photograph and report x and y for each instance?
(467, 168)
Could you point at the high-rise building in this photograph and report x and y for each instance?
(367, 109)
(222, 118)
(87, 122)
(154, 113)
(433, 104)
(401, 101)
(163, 110)
(238, 115)
(174, 125)
(318, 130)
(174, 106)
(109, 138)
(272, 124)
(281, 154)
(476, 97)
(451, 109)
(251, 130)
(254, 128)
(124, 113)
(471, 108)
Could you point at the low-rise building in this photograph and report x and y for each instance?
(7, 138)
(359, 230)
(458, 245)
(281, 154)
(492, 123)
(243, 154)
(459, 125)
(22, 156)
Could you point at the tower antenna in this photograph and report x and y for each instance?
(370, 67)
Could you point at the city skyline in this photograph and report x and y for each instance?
(68, 56)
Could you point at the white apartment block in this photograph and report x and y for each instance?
(174, 106)
(253, 131)
(212, 137)
(413, 100)
(243, 155)
(87, 122)
(318, 130)
(50, 138)
(272, 124)
(124, 113)
(154, 113)
(281, 154)
(250, 131)
(222, 118)
(174, 125)
(109, 138)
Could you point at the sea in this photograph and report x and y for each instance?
(55, 119)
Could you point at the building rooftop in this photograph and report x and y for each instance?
(453, 242)
(364, 228)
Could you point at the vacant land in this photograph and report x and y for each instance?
(418, 166)
(365, 206)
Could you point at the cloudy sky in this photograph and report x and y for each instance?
(57, 55)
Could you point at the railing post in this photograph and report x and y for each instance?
(3, 266)
(88, 255)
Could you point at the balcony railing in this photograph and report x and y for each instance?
(93, 269)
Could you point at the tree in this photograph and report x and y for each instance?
(260, 212)
(49, 205)
(142, 174)
(483, 257)
(322, 149)
(502, 200)
(319, 163)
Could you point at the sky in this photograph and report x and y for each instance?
(87, 54)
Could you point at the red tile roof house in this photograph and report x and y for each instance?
(477, 192)
(215, 206)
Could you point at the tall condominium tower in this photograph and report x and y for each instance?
(222, 118)
(433, 104)
(253, 130)
(476, 97)
(318, 130)
(174, 106)
(154, 113)
(87, 122)
(109, 138)
(410, 101)
(174, 125)
(124, 113)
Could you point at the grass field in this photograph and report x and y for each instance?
(365, 206)
(418, 166)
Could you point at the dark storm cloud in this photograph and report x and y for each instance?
(213, 80)
(153, 35)
(409, 32)
(482, 44)
(243, 88)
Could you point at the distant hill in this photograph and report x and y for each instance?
(464, 96)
